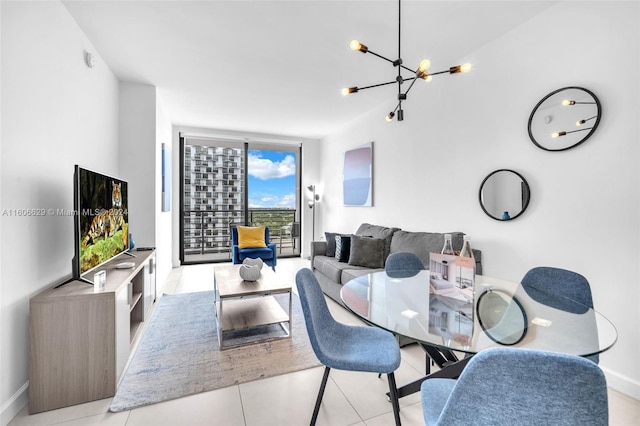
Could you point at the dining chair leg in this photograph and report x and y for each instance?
(393, 394)
(320, 394)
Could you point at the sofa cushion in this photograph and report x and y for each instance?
(343, 248)
(367, 252)
(423, 243)
(263, 253)
(355, 271)
(376, 231)
(330, 267)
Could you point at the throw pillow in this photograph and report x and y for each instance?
(251, 236)
(331, 243)
(343, 247)
(367, 252)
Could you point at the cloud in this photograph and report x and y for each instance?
(285, 202)
(264, 169)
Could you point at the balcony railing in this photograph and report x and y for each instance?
(207, 233)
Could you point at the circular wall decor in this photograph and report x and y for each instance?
(504, 194)
(564, 119)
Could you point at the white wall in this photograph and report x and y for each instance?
(584, 202)
(56, 112)
(138, 158)
(163, 229)
(143, 128)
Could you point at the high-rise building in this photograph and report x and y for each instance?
(213, 197)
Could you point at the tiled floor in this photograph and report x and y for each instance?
(350, 398)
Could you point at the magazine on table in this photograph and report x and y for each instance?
(452, 276)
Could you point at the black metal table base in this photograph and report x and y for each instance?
(450, 368)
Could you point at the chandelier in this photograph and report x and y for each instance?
(421, 72)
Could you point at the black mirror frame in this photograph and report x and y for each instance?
(525, 320)
(526, 190)
(593, 129)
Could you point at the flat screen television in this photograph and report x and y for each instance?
(101, 220)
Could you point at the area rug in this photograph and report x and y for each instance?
(178, 354)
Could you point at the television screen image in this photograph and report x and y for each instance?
(101, 219)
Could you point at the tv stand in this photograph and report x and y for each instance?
(81, 340)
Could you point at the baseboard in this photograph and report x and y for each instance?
(13, 406)
(622, 384)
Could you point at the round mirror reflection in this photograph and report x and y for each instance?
(504, 195)
(564, 119)
(501, 317)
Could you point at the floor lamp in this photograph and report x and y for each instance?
(312, 205)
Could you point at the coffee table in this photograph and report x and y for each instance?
(242, 305)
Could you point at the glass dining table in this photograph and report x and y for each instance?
(452, 324)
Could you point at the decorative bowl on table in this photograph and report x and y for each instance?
(253, 262)
(249, 272)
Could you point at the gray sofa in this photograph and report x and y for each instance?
(367, 255)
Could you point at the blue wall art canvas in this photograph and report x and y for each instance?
(166, 178)
(357, 183)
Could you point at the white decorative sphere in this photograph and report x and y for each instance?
(253, 262)
(249, 272)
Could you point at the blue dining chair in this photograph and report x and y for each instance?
(501, 386)
(345, 347)
(558, 282)
(403, 265)
(559, 289)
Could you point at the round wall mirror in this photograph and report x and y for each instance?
(504, 195)
(564, 119)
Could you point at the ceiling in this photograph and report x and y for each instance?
(277, 67)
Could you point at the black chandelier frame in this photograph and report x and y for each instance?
(419, 73)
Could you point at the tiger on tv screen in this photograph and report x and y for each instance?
(104, 219)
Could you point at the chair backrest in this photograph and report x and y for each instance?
(503, 386)
(560, 289)
(558, 282)
(403, 265)
(234, 235)
(317, 316)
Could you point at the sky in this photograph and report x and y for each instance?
(272, 179)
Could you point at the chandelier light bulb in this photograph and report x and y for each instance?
(460, 68)
(348, 90)
(356, 45)
(580, 122)
(558, 134)
(424, 65)
(389, 117)
(427, 77)
(568, 102)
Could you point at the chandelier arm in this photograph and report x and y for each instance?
(391, 61)
(376, 85)
(408, 69)
(410, 86)
(440, 72)
(380, 56)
